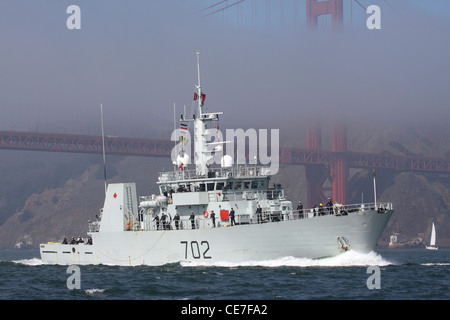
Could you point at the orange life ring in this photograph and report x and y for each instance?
(205, 213)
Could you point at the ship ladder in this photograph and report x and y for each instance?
(129, 207)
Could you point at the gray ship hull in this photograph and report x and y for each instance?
(313, 237)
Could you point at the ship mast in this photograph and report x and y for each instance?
(201, 152)
(199, 128)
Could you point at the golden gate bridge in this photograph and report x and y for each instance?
(321, 165)
(311, 13)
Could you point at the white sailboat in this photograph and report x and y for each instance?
(432, 245)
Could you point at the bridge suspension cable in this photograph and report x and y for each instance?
(221, 9)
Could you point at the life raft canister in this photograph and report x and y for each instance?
(205, 213)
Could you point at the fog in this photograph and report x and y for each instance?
(137, 58)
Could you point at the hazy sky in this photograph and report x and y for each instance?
(137, 58)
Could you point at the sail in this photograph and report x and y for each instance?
(433, 236)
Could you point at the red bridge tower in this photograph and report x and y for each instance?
(315, 8)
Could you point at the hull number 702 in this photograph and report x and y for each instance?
(197, 251)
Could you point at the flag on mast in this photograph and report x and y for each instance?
(183, 133)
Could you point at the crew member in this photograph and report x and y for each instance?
(232, 217)
(163, 220)
(213, 218)
(330, 206)
(157, 221)
(300, 209)
(177, 220)
(192, 218)
(259, 214)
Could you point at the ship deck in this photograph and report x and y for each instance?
(201, 222)
(246, 172)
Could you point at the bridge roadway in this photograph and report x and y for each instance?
(34, 141)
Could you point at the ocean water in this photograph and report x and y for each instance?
(380, 275)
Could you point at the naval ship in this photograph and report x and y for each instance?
(210, 214)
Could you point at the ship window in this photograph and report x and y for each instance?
(229, 185)
(219, 186)
(164, 189)
(237, 185)
(202, 187)
(263, 184)
(246, 184)
(210, 186)
(255, 184)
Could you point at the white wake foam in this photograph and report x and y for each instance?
(94, 291)
(346, 259)
(30, 262)
(436, 264)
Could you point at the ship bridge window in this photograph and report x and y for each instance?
(237, 185)
(220, 185)
(264, 184)
(184, 188)
(210, 186)
(202, 187)
(229, 185)
(255, 184)
(246, 184)
(164, 190)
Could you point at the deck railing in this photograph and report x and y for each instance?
(200, 222)
(240, 171)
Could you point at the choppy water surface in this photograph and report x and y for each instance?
(399, 274)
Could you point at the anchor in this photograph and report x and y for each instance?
(343, 243)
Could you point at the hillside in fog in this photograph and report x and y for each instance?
(46, 196)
